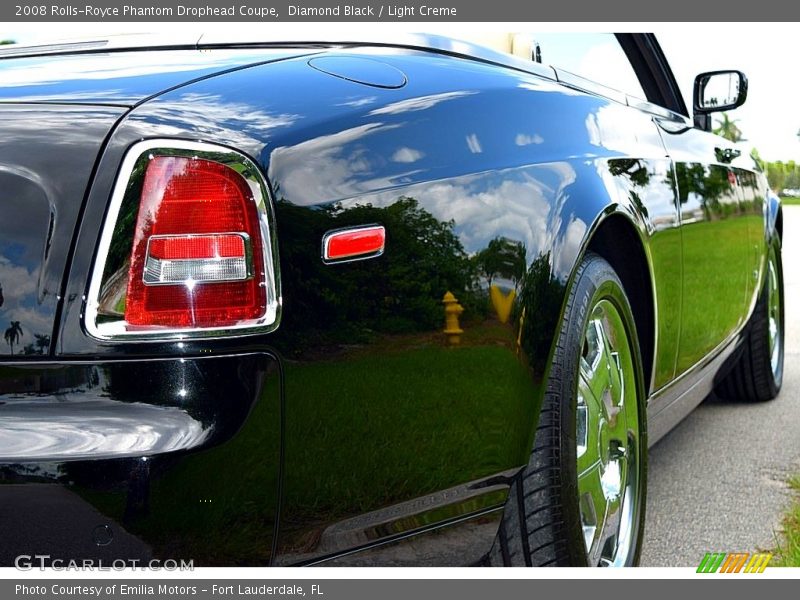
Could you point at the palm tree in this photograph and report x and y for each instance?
(12, 334)
(727, 128)
(42, 342)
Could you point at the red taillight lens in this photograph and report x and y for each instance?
(197, 258)
(188, 247)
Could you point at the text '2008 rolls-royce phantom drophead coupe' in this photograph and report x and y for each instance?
(365, 303)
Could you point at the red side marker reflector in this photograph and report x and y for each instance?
(353, 244)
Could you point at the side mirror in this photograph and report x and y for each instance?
(717, 91)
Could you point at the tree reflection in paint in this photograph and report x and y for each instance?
(400, 292)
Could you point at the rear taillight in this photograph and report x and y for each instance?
(188, 247)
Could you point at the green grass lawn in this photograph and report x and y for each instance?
(788, 551)
(790, 201)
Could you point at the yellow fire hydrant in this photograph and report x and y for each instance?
(452, 310)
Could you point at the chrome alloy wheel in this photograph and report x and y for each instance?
(607, 439)
(774, 314)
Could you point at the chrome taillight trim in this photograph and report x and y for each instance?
(125, 192)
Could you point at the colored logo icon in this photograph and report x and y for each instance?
(734, 562)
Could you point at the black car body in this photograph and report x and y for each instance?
(339, 424)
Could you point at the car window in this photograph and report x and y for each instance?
(686, 66)
(595, 56)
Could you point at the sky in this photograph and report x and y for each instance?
(769, 120)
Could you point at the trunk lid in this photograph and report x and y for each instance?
(56, 111)
(122, 78)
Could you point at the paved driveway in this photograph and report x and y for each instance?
(717, 481)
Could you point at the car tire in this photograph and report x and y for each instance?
(757, 374)
(553, 503)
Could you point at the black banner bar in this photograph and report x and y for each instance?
(386, 589)
(274, 11)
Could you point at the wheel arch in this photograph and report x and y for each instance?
(618, 240)
(616, 236)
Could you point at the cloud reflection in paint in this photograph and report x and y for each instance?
(49, 429)
(420, 103)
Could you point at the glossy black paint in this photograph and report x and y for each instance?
(137, 408)
(388, 431)
(46, 161)
(119, 78)
(92, 447)
(724, 201)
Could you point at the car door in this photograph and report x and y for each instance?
(714, 232)
(707, 173)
